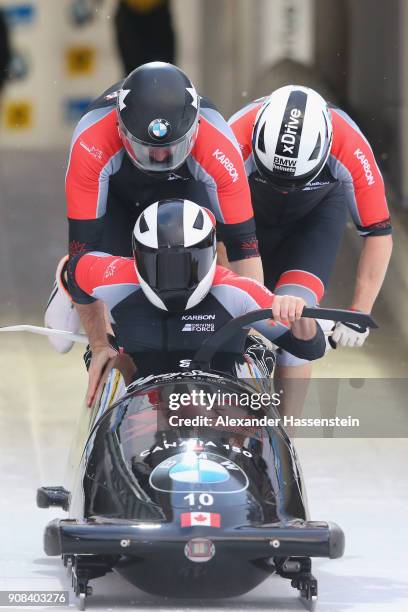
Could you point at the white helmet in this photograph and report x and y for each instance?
(292, 137)
(175, 250)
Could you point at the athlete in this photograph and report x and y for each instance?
(307, 162)
(149, 137)
(171, 296)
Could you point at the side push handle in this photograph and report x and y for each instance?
(202, 358)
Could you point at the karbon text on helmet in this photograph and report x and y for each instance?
(174, 245)
(292, 137)
(158, 113)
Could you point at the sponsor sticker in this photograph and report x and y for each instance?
(159, 128)
(199, 327)
(198, 472)
(284, 164)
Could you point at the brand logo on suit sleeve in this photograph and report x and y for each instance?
(366, 166)
(227, 163)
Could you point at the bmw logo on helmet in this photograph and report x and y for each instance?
(159, 128)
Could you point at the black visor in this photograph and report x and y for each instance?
(169, 270)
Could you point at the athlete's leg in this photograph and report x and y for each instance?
(304, 261)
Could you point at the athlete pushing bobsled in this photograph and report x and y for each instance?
(148, 490)
(172, 296)
(307, 163)
(146, 138)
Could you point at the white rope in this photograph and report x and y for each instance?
(46, 331)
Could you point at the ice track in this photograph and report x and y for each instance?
(357, 483)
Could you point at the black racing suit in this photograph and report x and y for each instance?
(159, 340)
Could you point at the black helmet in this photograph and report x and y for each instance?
(158, 112)
(175, 252)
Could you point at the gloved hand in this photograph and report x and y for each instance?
(348, 334)
(61, 312)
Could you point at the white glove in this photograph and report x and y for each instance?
(349, 334)
(61, 312)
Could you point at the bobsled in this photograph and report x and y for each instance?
(182, 500)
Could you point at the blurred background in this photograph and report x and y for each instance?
(55, 57)
(65, 53)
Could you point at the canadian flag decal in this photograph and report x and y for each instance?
(207, 519)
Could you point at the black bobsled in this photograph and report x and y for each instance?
(199, 508)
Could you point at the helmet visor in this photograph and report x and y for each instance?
(171, 271)
(159, 157)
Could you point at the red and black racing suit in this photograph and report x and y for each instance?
(299, 232)
(106, 192)
(157, 339)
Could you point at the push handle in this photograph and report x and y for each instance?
(202, 358)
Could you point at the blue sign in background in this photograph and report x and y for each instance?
(20, 14)
(74, 108)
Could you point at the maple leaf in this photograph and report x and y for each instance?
(200, 518)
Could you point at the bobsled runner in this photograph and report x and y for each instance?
(207, 510)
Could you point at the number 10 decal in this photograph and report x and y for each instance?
(204, 499)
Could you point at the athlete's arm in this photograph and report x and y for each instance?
(372, 267)
(353, 162)
(93, 321)
(303, 338)
(216, 161)
(85, 273)
(251, 268)
(288, 330)
(96, 153)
